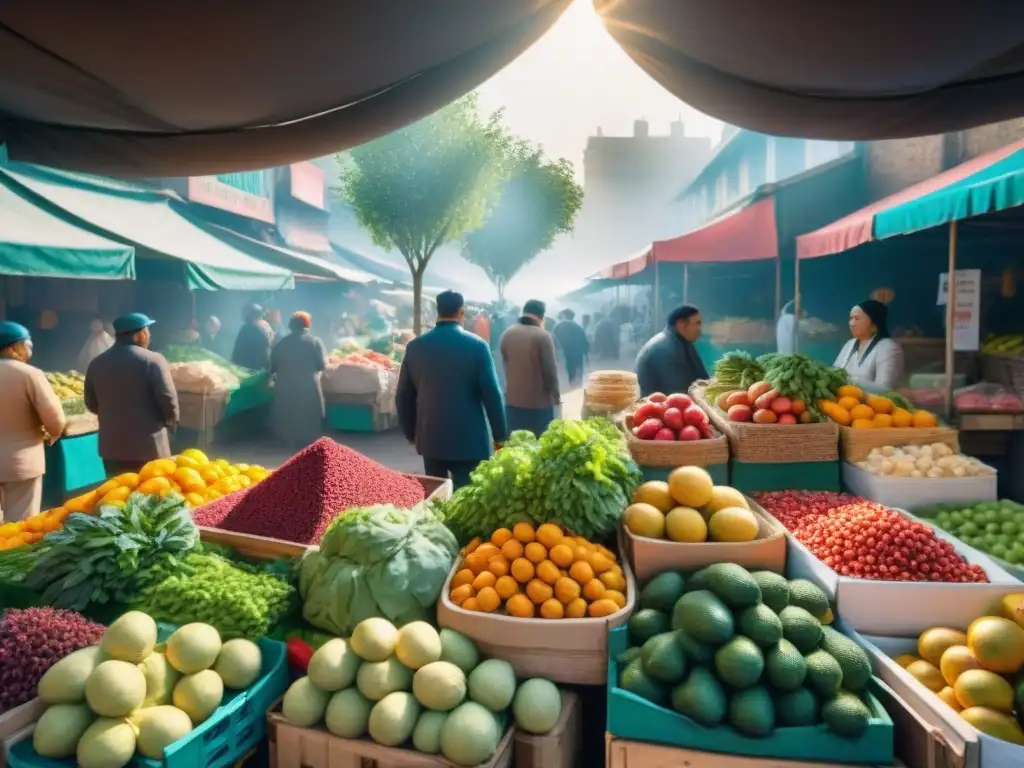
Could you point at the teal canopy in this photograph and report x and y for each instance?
(146, 219)
(38, 242)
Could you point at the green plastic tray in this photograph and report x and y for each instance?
(632, 717)
(749, 477)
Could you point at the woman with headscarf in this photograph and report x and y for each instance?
(872, 358)
(297, 413)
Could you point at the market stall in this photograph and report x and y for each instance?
(360, 385)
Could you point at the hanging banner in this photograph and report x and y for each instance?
(245, 194)
(966, 308)
(307, 184)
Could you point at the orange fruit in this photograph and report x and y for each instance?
(471, 604)
(506, 587)
(882, 421)
(522, 570)
(487, 550)
(523, 532)
(593, 590)
(83, 503)
(476, 562)
(107, 487)
(581, 553)
(549, 535)
(880, 404)
(118, 494)
(615, 596)
(128, 480)
(512, 549)
(188, 463)
(498, 565)
(488, 599)
(925, 420)
(548, 572)
(539, 591)
(535, 552)
(576, 609)
(613, 580)
(189, 480)
(600, 563)
(849, 403)
(460, 594)
(863, 423)
(473, 544)
(158, 468)
(196, 455)
(244, 481)
(902, 418)
(561, 555)
(520, 607)
(582, 572)
(484, 579)
(566, 590)
(500, 536)
(601, 608)
(465, 576)
(607, 553)
(155, 486)
(862, 412)
(552, 609)
(195, 499)
(210, 475)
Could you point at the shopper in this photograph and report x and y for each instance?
(30, 407)
(130, 388)
(211, 336)
(669, 362)
(448, 396)
(273, 320)
(254, 340)
(572, 340)
(531, 372)
(297, 413)
(606, 338)
(872, 357)
(99, 341)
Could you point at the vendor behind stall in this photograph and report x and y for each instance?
(254, 340)
(297, 414)
(669, 362)
(29, 407)
(872, 358)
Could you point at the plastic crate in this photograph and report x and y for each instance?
(222, 740)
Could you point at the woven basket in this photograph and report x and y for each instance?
(1005, 370)
(662, 453)
(856, 444)
(772, 443)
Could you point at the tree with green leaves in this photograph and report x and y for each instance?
(428, 184)
(539, 201)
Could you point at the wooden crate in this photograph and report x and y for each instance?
(856, 444)
(294, 747)
(621, 753)
(560, 747)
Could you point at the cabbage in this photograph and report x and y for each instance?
(377, 561)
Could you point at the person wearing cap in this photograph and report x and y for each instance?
(531, 372)
(254, 340)
(872, 358)
(130, 388)
(30, 415)
(448, 399)
(297, 412)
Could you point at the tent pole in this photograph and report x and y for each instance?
(796, 304)
(686, 283)
(950, 320)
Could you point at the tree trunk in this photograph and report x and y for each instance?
(417, 301)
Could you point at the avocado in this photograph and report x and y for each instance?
(733, 585)
(663, 658)
(846, 714)
(761, 624)
(635, 680)
(800, 628)
(824, 675)
(662, 591)
(852, 659)
(701, 698)
(696, 652)
(739, 662)
(785, 666)
(698, 580)
(703, 617)
(751, 712)
(646, 623)
(774, 589)
(798, 707)
(628, 656)
(809, 596)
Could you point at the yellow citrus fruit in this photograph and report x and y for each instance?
(561, 555)
(582, 572)
(117, 494)
(566, 590)
(209, 474)
(107, 487)
(487, 599)
(500, 536)
(197, 456)
(539, 591)
(83, 503)
(484, 579)
(506, 587)
(522, 570)
(155, 486)
(512, 549)
(465, 576)
(535, 552)
(549, 535)
(524, 532)
(552, 609)
(459, 595)
(576, 609)
(128, 480)
(498, 565)
(244, 481)
(186, 462)
(195, 499)
(157, 468)
(520, 606)
(470, 604)
(189, 480)
(615, 596)
(601, 608)
(613, 580)
(548, 572)
(593, 590)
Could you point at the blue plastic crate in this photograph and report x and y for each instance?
(222, 740)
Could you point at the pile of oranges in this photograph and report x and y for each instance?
(198, 478)
(544, 572)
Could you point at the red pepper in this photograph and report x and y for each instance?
(299, 654)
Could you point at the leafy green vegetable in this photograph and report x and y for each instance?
(17, 563)
(737, 370)
(191, 353)
(579, 474)
(376, 561)
(113, 556)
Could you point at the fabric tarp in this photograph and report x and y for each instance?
(35, 241)
(986, 184)
(147, 219)
(195, 88)
(746, 234)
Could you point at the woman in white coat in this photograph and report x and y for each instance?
(872, 358)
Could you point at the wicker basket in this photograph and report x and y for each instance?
(856, 444)
(1005, 370)
(772, 443)
(662, 453)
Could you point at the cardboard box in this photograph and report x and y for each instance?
(917, 492)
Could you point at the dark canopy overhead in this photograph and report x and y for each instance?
(196, 87)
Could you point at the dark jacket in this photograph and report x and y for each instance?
(573, 340)
(448, 394)
(531, 371)
(668, 363)
(297, 414)
(131, 390)
(252, 347)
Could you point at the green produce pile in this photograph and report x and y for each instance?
(578, 474)
(239, 600)
(995, 527)
(18, 562)
(736, 370)
(751, 650)
(112, 557)
(377, 562)
(192, 353)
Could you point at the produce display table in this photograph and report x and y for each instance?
(203, 412)
(357, 413)
(72, 463)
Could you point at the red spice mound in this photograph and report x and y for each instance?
(32, 641)
(299, 499)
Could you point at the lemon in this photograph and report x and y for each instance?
(197, 456)
(645, 520)
(686, 524)
(733, 524)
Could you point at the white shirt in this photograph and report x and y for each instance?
(878, 371)
(784, 334)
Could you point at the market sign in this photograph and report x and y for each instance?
(966, 308)
(245, 194)
(307, 184)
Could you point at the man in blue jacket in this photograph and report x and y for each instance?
(448, 395)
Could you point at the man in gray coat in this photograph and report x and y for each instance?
(531, 372)
(130, 389)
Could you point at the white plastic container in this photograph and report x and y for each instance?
(917, 492)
